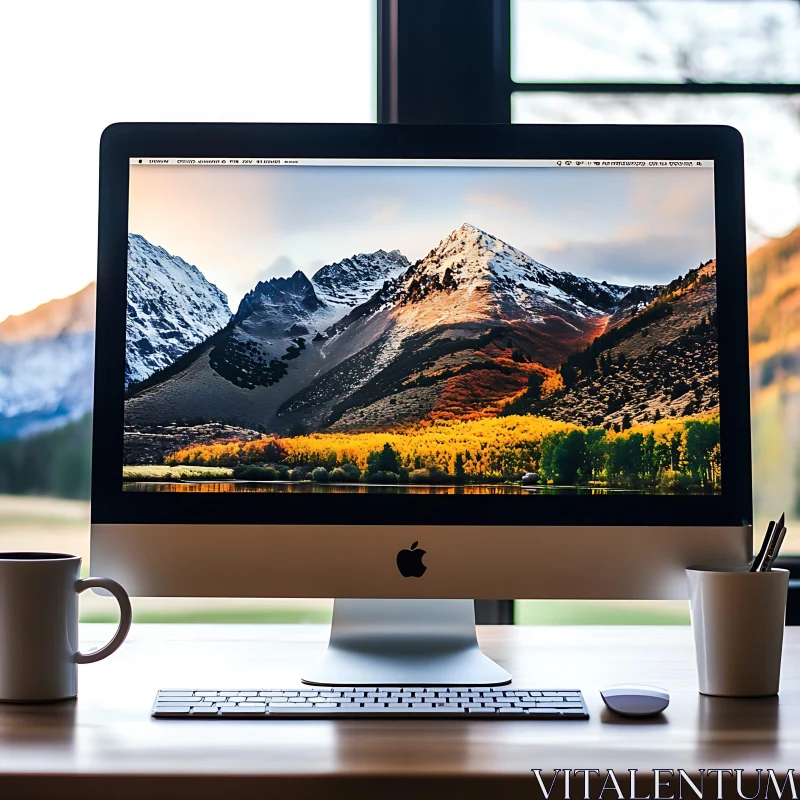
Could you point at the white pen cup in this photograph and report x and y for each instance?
(738, 619)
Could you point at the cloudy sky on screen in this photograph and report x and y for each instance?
(243, 224)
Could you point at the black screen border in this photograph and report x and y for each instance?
(722, 144)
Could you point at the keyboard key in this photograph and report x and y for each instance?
(173, 704)
(519, 711)
(205, 712)
(542, 712)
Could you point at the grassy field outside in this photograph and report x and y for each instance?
(47, 524)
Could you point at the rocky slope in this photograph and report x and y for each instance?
(661, 363)
(172, 308)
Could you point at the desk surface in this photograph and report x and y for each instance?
(106, 744)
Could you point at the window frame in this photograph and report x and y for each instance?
(415, 84)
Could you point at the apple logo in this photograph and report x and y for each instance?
(409, 562)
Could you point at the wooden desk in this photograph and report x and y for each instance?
(106, 745)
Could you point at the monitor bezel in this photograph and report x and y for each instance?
(123, 141)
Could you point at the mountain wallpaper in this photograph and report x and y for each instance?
(475, 368)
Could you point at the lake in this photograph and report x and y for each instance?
(307, 487)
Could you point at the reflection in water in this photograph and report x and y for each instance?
(307, 487)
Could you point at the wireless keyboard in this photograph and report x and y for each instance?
(318, 702)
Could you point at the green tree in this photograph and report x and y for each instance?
(702, 437)
(535, 381)
(320, 475)
(460, 475)
(569, 375)
(649, 459)
(564, 457)
(625, 459)
(596, 452)
(55, 463)
(385, 460)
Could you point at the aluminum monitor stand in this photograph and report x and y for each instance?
(404, 643)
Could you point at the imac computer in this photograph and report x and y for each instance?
(411, 366)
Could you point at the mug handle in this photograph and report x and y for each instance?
(125, 616)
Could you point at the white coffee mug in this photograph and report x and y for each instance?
(39, 625)
(738, 619)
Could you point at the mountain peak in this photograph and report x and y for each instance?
(488, 273)
(296, 292)
(172, 307)
(351, 281)
(73, 314)
(473, 230)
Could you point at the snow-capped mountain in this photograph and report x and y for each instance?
(281, 302)
(46, 360)
(351, 281)
(172, 308)
(73, 314)
(457, 333)
(485, 278)
(474, 305)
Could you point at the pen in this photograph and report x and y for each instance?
(772, 552)
(769, 554)
(763, 549)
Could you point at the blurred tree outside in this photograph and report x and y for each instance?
(55, 463)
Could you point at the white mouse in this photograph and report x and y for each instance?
(635, 701)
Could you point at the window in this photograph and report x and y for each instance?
(732, 62)
(74, 69)
(666, 41)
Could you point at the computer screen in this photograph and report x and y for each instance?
(399, 326)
